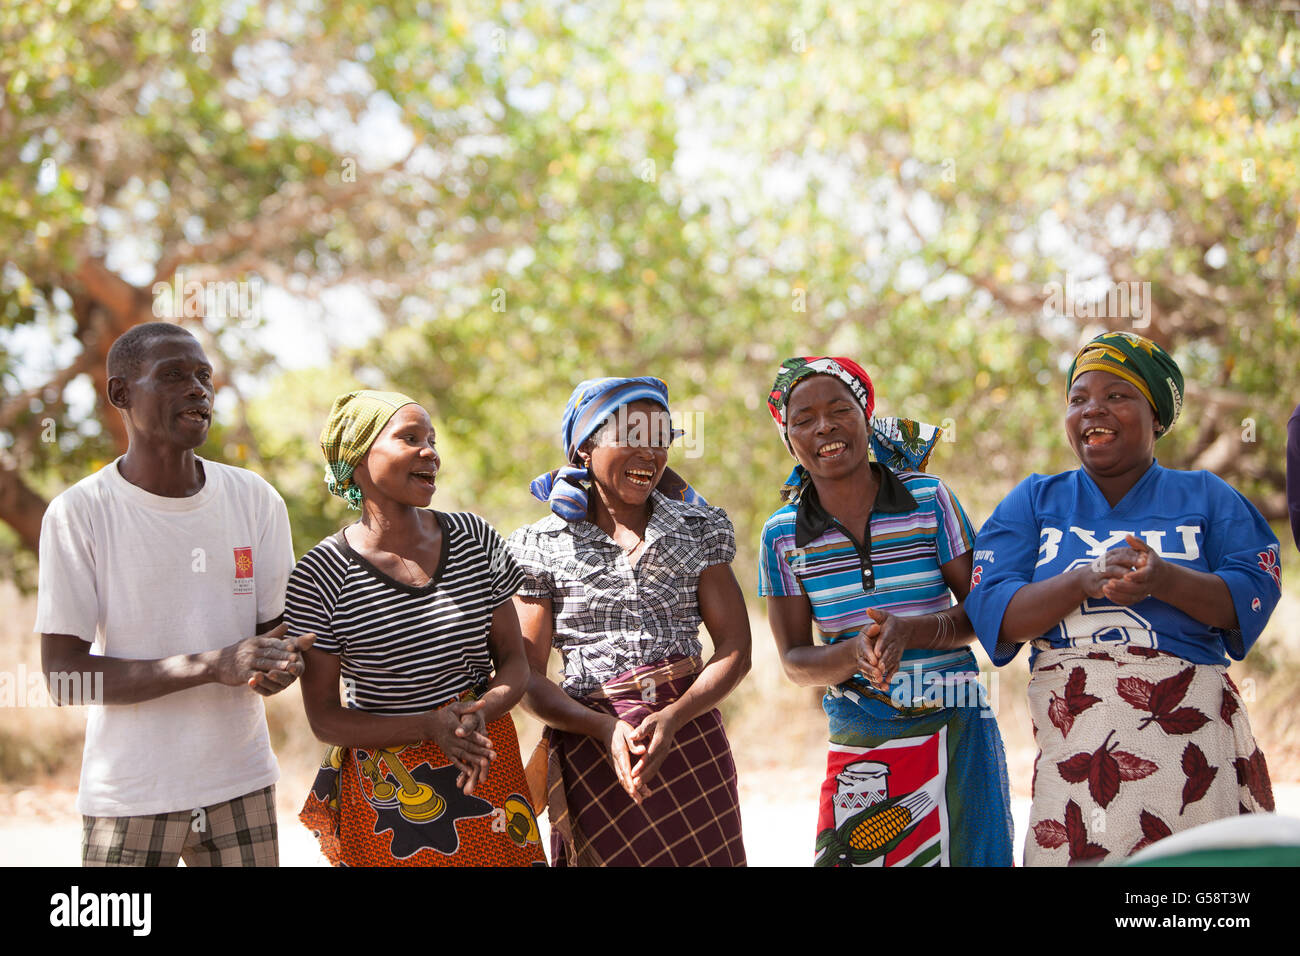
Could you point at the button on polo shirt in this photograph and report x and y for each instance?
(812, 520)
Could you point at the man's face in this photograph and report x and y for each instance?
(169, 402)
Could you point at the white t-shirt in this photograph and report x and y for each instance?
(144, 577)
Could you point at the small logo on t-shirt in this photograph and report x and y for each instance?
(1255, 605)
(976, 573)
(243, 570)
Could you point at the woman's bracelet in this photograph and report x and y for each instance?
(946, 629)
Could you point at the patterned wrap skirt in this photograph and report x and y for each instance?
(1134, 744)
(692, 815)
(400, 806)
(915, 779)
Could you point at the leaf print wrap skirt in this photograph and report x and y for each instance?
(1134, 744)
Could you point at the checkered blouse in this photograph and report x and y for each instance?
(611, 616)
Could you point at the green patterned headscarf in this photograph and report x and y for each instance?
(355, 422)
(1141, 363)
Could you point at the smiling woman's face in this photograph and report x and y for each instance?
(630, 466)
(403, 462)
(827, 427)
(1109, 424)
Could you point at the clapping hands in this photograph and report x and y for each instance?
(1124, 575)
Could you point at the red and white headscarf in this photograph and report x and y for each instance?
(795, 370)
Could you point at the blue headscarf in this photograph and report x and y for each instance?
(590, 405)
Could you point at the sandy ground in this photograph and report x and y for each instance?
(779, 821)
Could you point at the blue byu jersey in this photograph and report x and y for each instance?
(1051, 524)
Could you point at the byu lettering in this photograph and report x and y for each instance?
(1189, 535)
(1051, 545)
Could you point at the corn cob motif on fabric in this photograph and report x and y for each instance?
(873, 832)
(879, 828)
(912, 787)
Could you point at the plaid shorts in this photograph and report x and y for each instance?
(238, 832)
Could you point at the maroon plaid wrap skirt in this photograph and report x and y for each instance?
(692, 815)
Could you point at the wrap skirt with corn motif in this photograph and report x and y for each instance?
(1134, 744)
(690, 818)
(400, 806)
(916, 783)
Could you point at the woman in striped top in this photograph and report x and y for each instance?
(872, 553)
(412, 612)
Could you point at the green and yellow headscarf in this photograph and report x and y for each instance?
(355, 422)
(1140, 362)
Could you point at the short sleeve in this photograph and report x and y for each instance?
(775, 579)
(1242, 550)
(956, 536)
(1006, 551)
(537, 580)
(67, 600)
(507, 577)
(306, 608)
(274, 557)
(719, 539)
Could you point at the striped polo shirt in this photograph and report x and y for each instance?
(916, 525)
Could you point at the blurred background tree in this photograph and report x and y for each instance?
(530, 194)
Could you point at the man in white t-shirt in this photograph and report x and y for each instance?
(154, 572)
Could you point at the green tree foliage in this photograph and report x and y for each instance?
(535, 193)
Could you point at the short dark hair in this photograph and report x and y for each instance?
(129, 350)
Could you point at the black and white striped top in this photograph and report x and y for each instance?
(405, 649)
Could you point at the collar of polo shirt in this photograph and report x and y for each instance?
(812, 521)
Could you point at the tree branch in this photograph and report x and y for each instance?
(16, 405)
